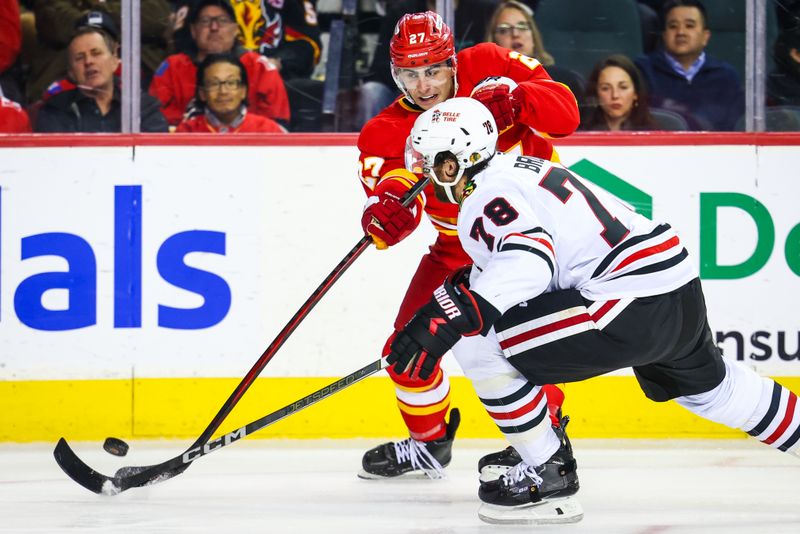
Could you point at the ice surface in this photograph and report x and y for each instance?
(299, 487)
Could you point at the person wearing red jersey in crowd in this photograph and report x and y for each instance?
(214, 30)
(13, 118)
(222, 97)
(529, 108)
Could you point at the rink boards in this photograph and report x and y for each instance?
(141, 279)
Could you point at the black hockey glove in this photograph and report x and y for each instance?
(454, 311)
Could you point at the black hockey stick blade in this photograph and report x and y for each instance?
(125, 478)
(138, 476)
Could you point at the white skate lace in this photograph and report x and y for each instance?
(417, 453)
(519, 472)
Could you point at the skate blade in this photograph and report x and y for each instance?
(549, 512)
(493, 472)
(411, 475)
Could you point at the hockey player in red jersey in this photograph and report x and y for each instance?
(567, 283)
(531, 108)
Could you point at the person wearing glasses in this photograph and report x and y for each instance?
(214, 31)
(222, 100)
(512, 26)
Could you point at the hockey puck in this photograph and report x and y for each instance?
(115, 446)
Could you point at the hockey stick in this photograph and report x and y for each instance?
(247, 381)
(134, 477)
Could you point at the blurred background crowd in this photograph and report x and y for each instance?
(230, 66)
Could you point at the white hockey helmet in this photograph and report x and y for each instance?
(461, 126)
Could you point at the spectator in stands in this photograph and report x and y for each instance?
(379, 89)
(10, 46)
(285, 32)
(683, 78)
(620, 97)
(214, 30)
(56, 21)
(13, 118)
(222, 100)
(512, 26)
(783, 85)
(93, 104)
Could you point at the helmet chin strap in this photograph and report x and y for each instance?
(448, 187)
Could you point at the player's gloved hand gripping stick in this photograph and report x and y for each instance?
(452, 312)
(137, 476)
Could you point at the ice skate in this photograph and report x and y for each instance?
(411, 458)
(524, 494)
(498, 463)
(527, 495)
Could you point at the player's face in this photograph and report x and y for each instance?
(214, 31)
(616, 92)
(427, 86)
(512, 31)
(685, 34)
(223, 90)
(91, 63)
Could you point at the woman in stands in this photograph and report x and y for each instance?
(512, 26)
(619, 98)
(220, 102)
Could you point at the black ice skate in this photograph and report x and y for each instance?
(526, 494)
(495, 464)
(411, 457)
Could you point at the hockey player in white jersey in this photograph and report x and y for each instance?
(567, 283)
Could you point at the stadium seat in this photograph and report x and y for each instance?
(570, 78)
(579, 33)
(727, 20)
(778, 119)
(669, 120)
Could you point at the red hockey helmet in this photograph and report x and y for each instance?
(421, 39)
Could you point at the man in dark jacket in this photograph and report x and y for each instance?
(683, 78)
(93, 103)
(783, 85)
(56, 20)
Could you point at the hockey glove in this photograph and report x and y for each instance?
(500, 101)
(453, 312)
(385, 218)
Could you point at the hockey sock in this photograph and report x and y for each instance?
(519, 409)
(758, 405)
(424, 405)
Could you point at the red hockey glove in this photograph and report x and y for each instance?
(385, 218)
(500, 101)
(453, 312)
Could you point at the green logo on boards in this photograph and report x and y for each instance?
(710, 206)
(641, 201)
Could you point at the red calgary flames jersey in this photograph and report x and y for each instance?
(549, 109)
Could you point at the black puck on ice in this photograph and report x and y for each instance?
(115, 446)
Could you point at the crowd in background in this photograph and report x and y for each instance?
(231, 66)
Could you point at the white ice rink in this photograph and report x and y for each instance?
(647, 487)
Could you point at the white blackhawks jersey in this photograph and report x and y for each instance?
(531, 226)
